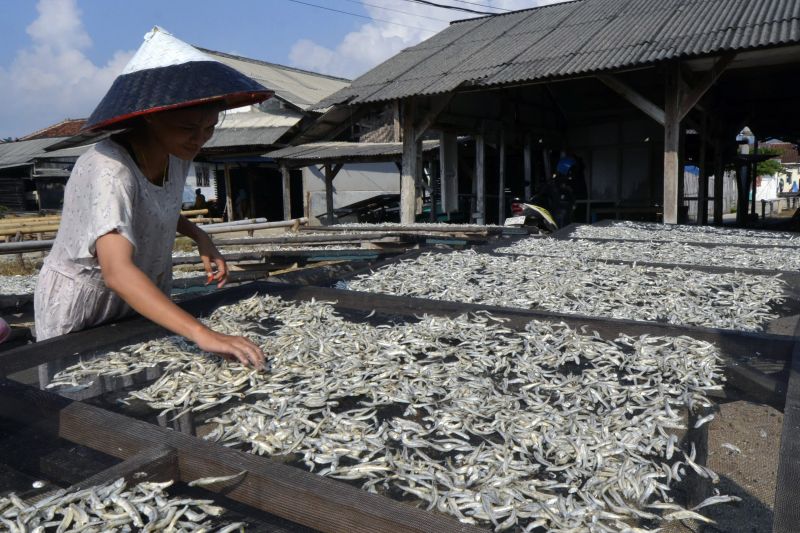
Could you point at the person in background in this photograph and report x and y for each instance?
(242, 206)
(112, 254)
(199, 200)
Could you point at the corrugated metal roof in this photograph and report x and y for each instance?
(300, 88)
(253, 136)
(331, 151)
(253, 128)
(24, 152)
(574, 38)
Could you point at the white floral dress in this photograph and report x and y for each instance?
(106, 192)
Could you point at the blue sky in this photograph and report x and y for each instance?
(58, 57)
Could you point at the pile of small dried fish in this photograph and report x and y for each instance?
(416, 226)
(191, 381)
(643, 231)
(578, 286)
(228, 250)
(113, 507)
(659, 252)
(543, 428)
(18, 284)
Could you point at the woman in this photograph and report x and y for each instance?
(113, 250)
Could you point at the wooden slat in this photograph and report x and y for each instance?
(159, 463)
(786, 515)
(273, 487)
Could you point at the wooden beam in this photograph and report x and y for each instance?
(329, 175)
(671, 144)
(634, 97)
(501, 180)
(228, 193)
(291, 493)
(448, 161)
(397, 128)
(286, 182)
(408, 175)
(425, 122)
(693, 95)
(159, 463)
(702, 208)
(719, 180)
(786, 515)
(480, 179)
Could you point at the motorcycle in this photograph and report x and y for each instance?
(531, 216)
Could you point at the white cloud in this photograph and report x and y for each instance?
(52, 79)
(379, 40)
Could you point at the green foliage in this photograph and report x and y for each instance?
(3, 211)
(770, 166)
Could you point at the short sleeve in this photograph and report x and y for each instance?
(111, 205)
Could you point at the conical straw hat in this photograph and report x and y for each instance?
(166, 73)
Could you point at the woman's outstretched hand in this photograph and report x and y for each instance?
(231, 347)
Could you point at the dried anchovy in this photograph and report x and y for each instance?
(579, 286)
(416, 226)
(658, 252)
(226, 250)
(546, 427)
(643, 231)
(22, 284)
(113, 507)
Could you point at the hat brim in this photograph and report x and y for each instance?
(174, 87)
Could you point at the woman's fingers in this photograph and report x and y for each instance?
(222, 272)
(207, 267)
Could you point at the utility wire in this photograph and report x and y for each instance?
(396, 10)
(362, 16)
(454, 8)
(481, 5)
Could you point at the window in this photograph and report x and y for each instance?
(203, 174)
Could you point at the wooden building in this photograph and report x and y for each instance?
(634, 88)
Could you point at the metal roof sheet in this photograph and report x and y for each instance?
(342, 150)
(24, 152)
(300, 88)
(574, 38)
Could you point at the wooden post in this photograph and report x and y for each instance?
(408, 178)
(229, 193)
(719, 181)
(329, 192)
(672, 135)
(702, 196)
(448, 160)
(528, 167)
(753, 174)
(501, 179)
(480, 179)
(287, 196)
(397, 129)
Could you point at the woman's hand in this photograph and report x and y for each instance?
(230, 347)
(208, 252)
(210, 255)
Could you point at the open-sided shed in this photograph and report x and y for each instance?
(620, 83)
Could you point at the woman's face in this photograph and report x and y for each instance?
(183, 132)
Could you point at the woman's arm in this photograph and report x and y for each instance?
(121, 275)
(208, 252)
